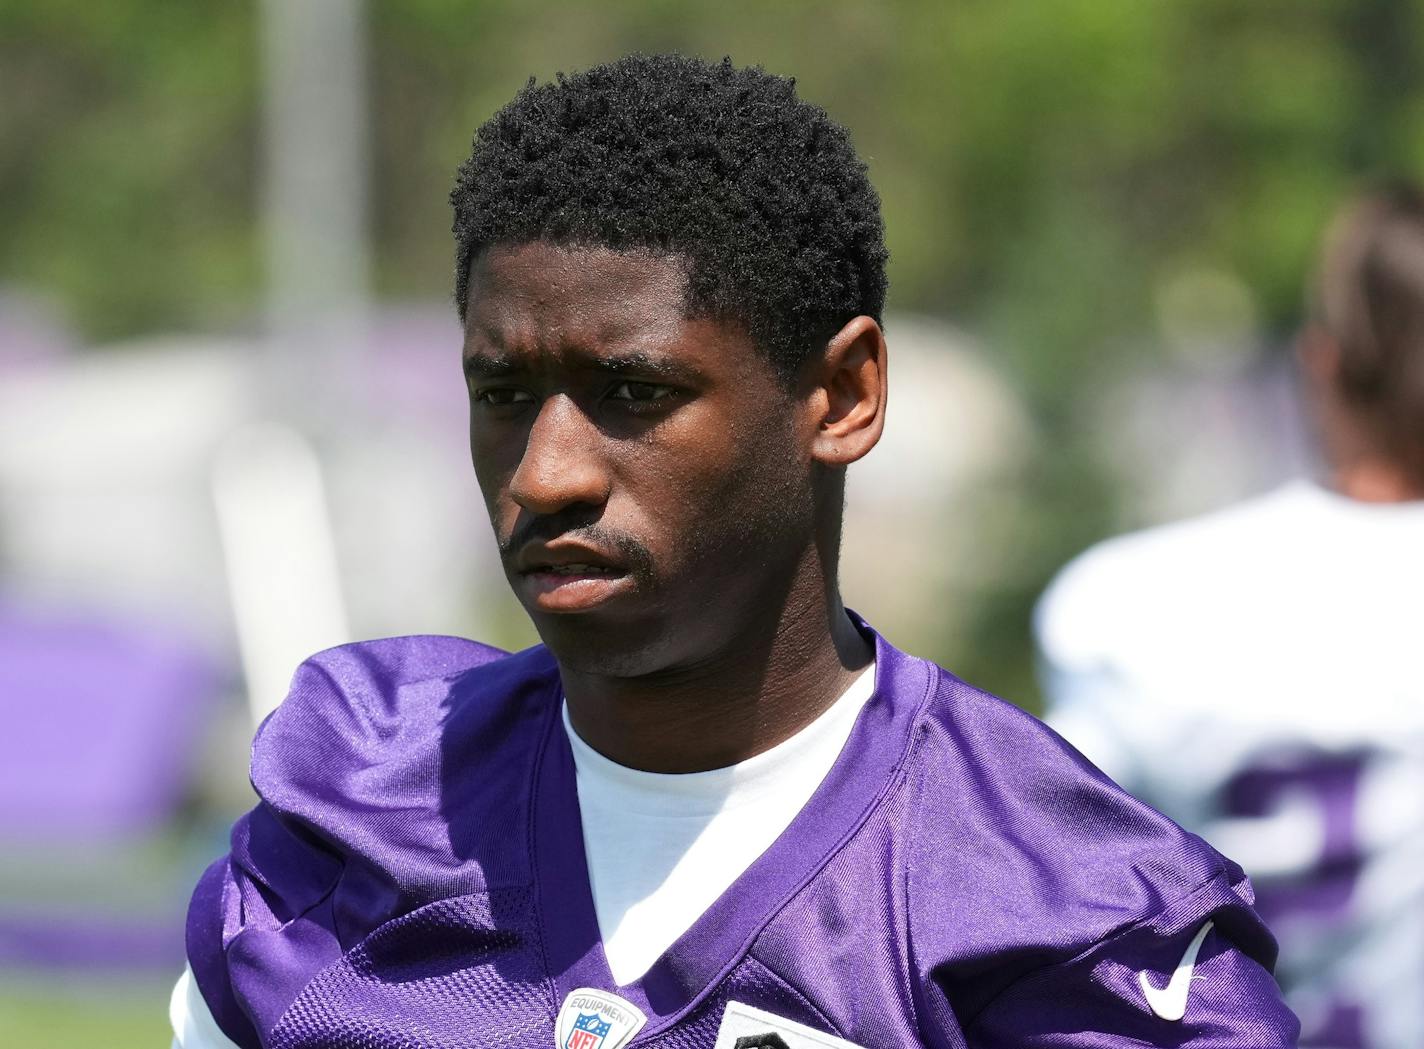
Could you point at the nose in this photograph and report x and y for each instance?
(560, 466)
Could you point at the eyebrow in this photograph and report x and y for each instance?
(488, 365)
(654, 366)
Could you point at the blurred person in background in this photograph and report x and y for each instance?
(1256, 673)
(714, 808)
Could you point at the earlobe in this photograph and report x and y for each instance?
(850, 393)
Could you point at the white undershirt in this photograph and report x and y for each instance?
(661, 848)
(192, 1022)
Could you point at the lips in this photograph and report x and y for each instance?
(575, 568)
(568, 577)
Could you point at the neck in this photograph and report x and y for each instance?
(1357, 464)
(1371, 480)
(758, 690)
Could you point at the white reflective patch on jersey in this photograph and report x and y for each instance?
(746, 1027)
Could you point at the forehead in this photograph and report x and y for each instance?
(546, 295)
(545, 306)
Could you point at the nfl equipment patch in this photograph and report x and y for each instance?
(746, 1027)
(593, 1019)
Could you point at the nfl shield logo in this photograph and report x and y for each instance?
(588, 1033)
(595, 1019)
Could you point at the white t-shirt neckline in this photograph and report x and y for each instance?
(734, 786)
(667, 845)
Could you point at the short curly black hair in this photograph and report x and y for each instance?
(760, 193)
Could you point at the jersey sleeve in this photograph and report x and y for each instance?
(1196, 975)
(258, 921)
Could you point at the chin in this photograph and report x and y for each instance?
(605, 646)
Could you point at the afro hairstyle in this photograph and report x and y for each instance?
(760, 194)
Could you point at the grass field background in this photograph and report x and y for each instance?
(115, 997)
(67, 1014)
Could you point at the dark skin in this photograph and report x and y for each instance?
(667, 506)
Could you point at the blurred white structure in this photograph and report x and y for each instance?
(104, 462)
(314, 195)
(921, 507)
(133, 483)
(280, 555)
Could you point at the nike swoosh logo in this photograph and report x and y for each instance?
(1170, 1002)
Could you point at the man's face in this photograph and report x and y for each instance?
(648, 476)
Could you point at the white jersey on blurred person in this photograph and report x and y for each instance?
(1258, 674)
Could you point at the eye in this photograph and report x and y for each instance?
(500, 396)
(640, 392)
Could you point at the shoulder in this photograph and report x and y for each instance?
(1109, 595)
(378, 743)
(362, 685)
(991, 778)
(365, 701)
(391, 776)
(1039, 893)
(1023, 855)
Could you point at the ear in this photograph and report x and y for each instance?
(846, 393)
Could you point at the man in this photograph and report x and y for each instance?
(714, 808)
(1255, 673)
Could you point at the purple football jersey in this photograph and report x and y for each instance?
(414, 875)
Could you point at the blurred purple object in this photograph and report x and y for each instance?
(89, 942)
(102, 726)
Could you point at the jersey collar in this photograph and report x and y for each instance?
(719, 939)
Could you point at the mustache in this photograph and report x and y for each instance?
(544, 528)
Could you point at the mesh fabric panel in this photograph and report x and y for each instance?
(432, 979)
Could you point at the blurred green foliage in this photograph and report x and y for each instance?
(1043, 164)
(127, 176)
